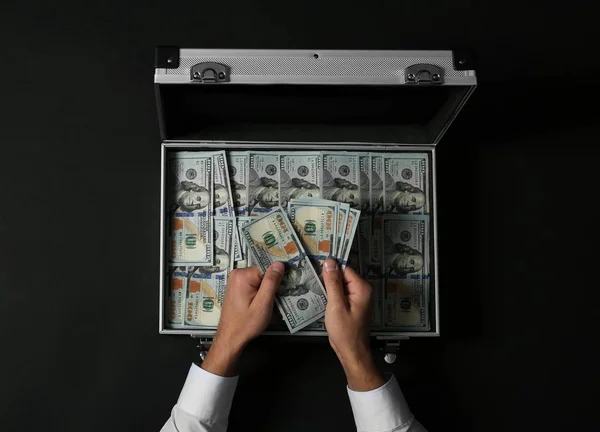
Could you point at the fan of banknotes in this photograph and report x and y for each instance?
(230, 209)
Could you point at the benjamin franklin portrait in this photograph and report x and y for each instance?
(264, 191)
(295, 188)
(190, 196)
(340, 190)
(221, 195)
(299, 280)
(240, 194)
(401, 197)
(401, 259)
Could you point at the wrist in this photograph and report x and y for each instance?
(361, 371)
(222, 357)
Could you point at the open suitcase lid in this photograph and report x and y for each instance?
(396, 97)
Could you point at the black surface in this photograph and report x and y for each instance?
(405, 114)
(166, 57)
(79, 223)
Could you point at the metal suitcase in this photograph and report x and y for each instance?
(388, 101)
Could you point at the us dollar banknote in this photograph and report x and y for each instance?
(316, 225)
(237, 246)
(365, 183)
(343, 214)
(245, 261)
(406, 271)
(406, 185)
(349, 232)
(342, 211)
(191, 178)
(239, 166)
(301, 298)
(224, 238)
(374, 272)
(300, 176)
(341, 178)
(222, 196)
(207, 284)
(178, 277)
(263, 183)
(377, 177)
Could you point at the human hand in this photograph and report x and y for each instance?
(348, 320)
(247, 310)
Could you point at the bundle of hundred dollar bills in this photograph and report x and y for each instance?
(230, 209)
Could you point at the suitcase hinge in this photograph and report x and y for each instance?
(210, 73)
(424, 74)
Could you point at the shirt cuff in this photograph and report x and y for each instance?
(382, 409)
(207, 396)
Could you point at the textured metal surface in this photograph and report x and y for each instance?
(316, 67)
(211, 145)
(323, 66)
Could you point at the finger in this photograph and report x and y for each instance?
(246, 278)
(354, 282)
(333, 282)
(269, 286)
(358, 288)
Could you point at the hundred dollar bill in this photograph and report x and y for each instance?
(406, 246)
(343, 214)
(377, 176)
(191, 208)
(342, 217)
(377, 241)
(245, 261)
(202, 306)
(316, 226)
(238, 164)
(406, 305)
(406, 270)
(374, 271)
(301, 298)
(263, 183)
(178, 282)
(224, 238)
(350, 230)
(406, 185)
(365, 183)
(223, 199)
(300, 176)
(237, 247)
(341, 178)
(318, 325)
(207, 284)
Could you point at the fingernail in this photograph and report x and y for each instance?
(330, 265)
(278, 267)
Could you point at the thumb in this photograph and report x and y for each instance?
(332, 277)
(269, 285)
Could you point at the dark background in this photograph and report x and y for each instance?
(79, 172)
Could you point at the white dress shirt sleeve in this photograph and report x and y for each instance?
(383, 410)
(204, 403)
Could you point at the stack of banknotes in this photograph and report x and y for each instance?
(230, 209)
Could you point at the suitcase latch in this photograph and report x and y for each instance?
(424, 74)
(203, 346)
(210, 72)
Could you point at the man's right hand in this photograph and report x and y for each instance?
(348, 321)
